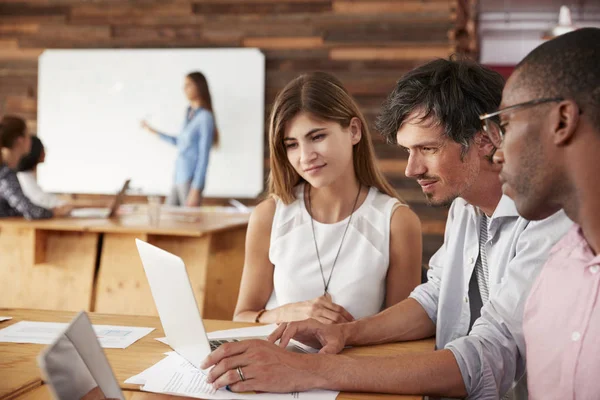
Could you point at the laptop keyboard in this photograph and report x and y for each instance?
(214, 344)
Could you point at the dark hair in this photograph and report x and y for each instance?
(566, 66)
(454, 92)
(11, 128)
(204, 93)
(29, 161)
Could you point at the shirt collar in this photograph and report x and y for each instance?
(505, 209)
(577, 247)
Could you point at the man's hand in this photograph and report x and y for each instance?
(265, 367)
(330, 338)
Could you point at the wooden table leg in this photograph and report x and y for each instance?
(224, 273)
(60, 278)
(214, 264)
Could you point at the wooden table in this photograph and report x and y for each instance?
(19, 373)
(93, 264)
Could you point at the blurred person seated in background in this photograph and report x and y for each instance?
(27, 176)
(15, 142)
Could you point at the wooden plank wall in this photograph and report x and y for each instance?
(367, 44)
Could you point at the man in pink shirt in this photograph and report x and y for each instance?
(548, 137)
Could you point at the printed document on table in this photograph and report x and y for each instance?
(109, 336)
(193, 383)
(174, 375)
(173, 361)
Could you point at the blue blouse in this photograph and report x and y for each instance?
(193, 145)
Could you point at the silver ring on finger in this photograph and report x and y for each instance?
(241, 374)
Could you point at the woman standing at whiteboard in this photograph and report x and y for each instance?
(333, 242)
(198, 135)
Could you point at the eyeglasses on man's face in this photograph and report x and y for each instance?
(492, 127)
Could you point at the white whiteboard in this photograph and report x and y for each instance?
(91, 102)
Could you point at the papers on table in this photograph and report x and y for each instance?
(162, 340)
(90, 212)
(174, 375)
(172, 361)
(5, 318)
(109, 336)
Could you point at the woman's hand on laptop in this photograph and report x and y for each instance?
(329, 338)
(322, 308)
(263, 367)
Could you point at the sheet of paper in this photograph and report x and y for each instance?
(174, 375)
(119, 337)
(173, 361)
(110, 336)
(90, 213)
(193, 384)
(182, 382)
(162, 340)
(5, 318)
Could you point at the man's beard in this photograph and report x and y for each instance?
(447, 202)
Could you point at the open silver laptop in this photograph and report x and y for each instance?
(103, 213)
(75, 366)
(176, 305)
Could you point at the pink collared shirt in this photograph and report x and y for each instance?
(561, 323)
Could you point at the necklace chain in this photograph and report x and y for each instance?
(312, 225)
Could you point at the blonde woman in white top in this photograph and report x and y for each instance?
(333, 241)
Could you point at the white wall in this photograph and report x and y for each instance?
(91, 102)
(506, 51)
(507, 37)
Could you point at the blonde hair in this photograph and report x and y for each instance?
(323, 96)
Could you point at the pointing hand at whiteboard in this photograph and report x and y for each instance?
(147, 127)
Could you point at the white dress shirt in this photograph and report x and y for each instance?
(33, 191)
(491, 357)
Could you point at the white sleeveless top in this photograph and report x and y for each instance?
(359, 276)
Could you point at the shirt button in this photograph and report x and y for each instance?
(594, 269)
(471, 260)
(575, 336)
(466, 299)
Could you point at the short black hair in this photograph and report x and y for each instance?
(455, 92)
(567, 66)
(29, 161)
